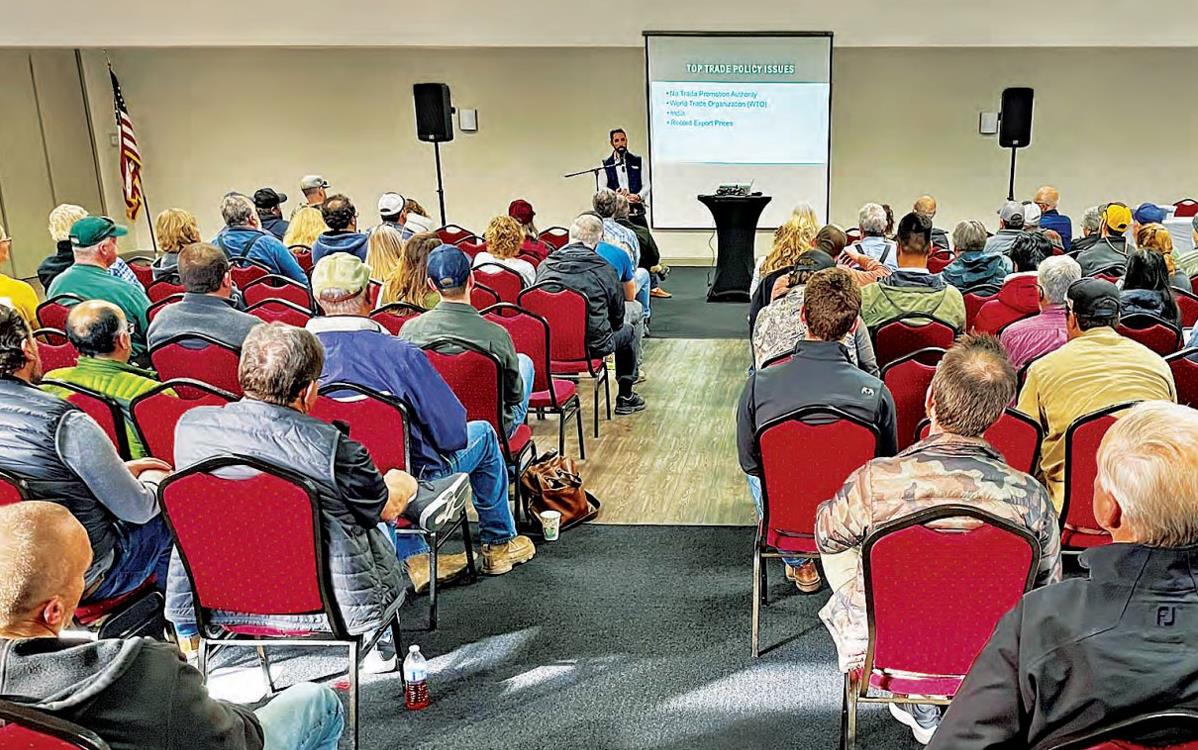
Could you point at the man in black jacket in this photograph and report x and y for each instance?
(609, 329)
(1089, 652)
(136, 694)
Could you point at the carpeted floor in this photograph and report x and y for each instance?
(690, 316)
(619, 637)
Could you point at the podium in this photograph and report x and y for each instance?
(736, 227)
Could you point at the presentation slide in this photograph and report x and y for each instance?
(737, 109)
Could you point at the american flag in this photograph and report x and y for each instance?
(130, 156)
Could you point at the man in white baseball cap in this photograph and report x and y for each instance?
(393, 209)
(313, 187)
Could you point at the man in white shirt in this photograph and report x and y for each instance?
(626, 176)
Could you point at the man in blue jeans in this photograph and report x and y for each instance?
(134, 693)
(360, 351)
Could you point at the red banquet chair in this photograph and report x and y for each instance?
(393, 316)
(1169, 729)
(910, 333)
(1187, 304)
(55, 350)
(199, 357)
(779, 359)
(500, 279)
(156, 412)
(26, 728)
(1185, 376)
(104, 409)
(566, 312)
(555, 237)
(303, 256)
(1158, 334)
(907, 378)
(1079, 529)
(530, 336)
(245, 271)
(974, 298)
(142, 267)
(833, 444)
(482, 297)
(53, 312)
(1015, 435)
(380, 423)
(475, 377)
(939, 260)
(925, 645)
(250, 538)
(280, 310)
(277, 287)
(1185, 208)
(153, 310)
(471, 247)
(160, 290)
(12, 489)
(452, 234)
(373, 289)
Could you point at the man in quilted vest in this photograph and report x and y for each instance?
(99, 331)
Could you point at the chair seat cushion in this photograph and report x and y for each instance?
(790, 543)
(86, 614)
(563, 390)
(1073, 539)
(519, 440)
(912, 685)
(575, 367)
(261, 631)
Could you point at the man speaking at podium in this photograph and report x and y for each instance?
(625, 176)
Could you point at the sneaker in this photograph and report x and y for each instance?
(439, 502)
(660, 293)
(922, 718)
(805, 576)
(629, 404)
(501, 558)
(448, 566)
(381, 659)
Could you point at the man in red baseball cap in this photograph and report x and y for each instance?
(521, 211)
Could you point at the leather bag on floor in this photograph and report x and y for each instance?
(552, 482)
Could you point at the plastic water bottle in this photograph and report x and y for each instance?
(415, 676)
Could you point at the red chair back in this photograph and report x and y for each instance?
(25, 728)
(555, 237)
(393, 316)
(277, 287)
(471, 247)
(156, 412)
(55, 350)
(1185, 208)
(974, 298)
(249, 536)
(1015, 435)
(245, 271)
(939, 260)
(1110, 273)
(909, 334)
(272, 310)
(105, 410)
(482, 297)
(1185, 376)
(373, 289)
(160, 290)
(1078, 527)
(153, 310)
(53, 312)
(198, 357)
(142, 267)
(500, 279)
(303, 256)
(452, 234)
(907, 378)
(833, 445)
(530, 336)
(1187, 305)
(475, 377)
(1157, 334)
(378, 421)
(566, 312)
(12, 489)
(942, 633)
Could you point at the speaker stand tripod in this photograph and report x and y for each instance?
(1011, 186)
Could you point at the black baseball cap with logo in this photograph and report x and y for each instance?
(268, 197)
(1093, 298)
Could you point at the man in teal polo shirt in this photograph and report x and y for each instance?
(93, 239)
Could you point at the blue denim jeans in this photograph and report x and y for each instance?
(755, 491)
(483, 461)
(141, 551)
(527, 375)
(302, 717)
(641, 279)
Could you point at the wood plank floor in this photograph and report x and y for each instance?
(675, 462)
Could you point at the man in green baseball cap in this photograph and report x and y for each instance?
(93, 239)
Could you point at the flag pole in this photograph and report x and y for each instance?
(145, 201)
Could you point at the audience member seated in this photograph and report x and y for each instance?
(343, 236)
(268, 203)
(820, 374)
(1025, 340)
(15, 293)
(613, 324)
(604, 204)
(416, 223)
(280, 365)
(522, 211)
(780, 326)
(1031, 217)
(1091, 231)
(408, 282)
(864, 269)
(134, 693)
(206, 308)
(873, 222)
(1146, 288)
(65, 457)
(313, 186)
(94, 240)
(925, 206)
(1094, 650)
(650, 255)
(1047, 198)
(243, 237)
(99, 332)
(360, 351)
(384, 250)
(1111, 248)
(393, 212)
(1010, 227)
(1187, 263)
(1018, 296)
(504, 238)
(635, 281)
(912, 288)
(306, 225)
(955, 465)
(62, 218)
(1143, 215)
(974, 265)
(791, 240)
(1096, 368)
(641, 277)
(1156, 238)
(175, 229)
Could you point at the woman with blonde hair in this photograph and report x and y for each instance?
(504, 238)
(306, 225)
(791, 240)
(175, 230)
(61, 219)
(1156, 237)
(409, 281)
(384, 251)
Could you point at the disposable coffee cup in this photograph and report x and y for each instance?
(551, 522)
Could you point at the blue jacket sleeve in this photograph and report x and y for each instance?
(286, 262)
(437, 406)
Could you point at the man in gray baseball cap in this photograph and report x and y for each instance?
(313, 187)
(1010, 226)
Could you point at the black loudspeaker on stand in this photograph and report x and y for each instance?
(434, 124)
(1015, 125)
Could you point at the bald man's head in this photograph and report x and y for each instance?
(925, 206)
(98, 329)
(42, 562)
(1047, 198)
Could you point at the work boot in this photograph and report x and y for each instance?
(501, 558)
(448, 566)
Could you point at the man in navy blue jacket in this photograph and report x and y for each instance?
(625, 175)
(1047, 198)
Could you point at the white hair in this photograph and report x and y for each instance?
(1092, 219)
(236, 210)
(1055, 274)
(63, 218)
(587, 229)
(1148, 462)
(872, 219)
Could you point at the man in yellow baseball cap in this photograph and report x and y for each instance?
(1109, 254)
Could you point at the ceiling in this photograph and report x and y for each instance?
(522, 23)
